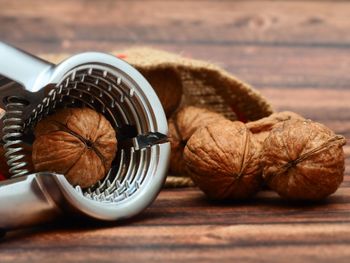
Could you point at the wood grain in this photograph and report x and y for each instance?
(182, 224)
(60, 23)
(296, 53)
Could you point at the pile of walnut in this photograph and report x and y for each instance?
(298, 158)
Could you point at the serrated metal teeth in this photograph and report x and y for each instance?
(108, 94)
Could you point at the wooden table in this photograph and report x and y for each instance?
(296, 53)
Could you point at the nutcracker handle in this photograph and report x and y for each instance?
(24, 201)
(22, 81)
(27, 70)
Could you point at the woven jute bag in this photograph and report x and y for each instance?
(203, 84)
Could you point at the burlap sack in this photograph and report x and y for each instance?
(203, 84)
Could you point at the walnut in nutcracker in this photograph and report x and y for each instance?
(303, 160)
(77, 142)
(181, 127)
(223, 159)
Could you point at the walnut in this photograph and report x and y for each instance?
(167, 84)
(77, 142)
(223, 160)
(27, 152)
(303, 160)
(181, 126)
(261, 128)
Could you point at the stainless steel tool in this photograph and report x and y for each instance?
(31, 88)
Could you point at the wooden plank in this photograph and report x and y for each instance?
(61, 23)
(182, 224)
(315, 253)
(282, 67)
(272, 67)
(266, 67)
(201, 235)
(195, 243)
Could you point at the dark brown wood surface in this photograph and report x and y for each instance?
(296, 53)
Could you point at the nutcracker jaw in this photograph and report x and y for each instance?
(110, 86)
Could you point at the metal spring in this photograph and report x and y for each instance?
(13, 125)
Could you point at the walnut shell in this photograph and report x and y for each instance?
(261, 128)
(77, 142)
(303, 160)
(167, 84)
(223, 160)
(181, 126)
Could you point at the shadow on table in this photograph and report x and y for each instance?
(75, 224)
